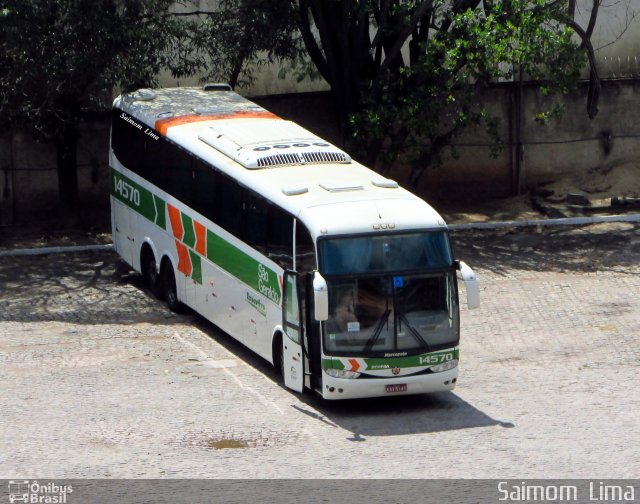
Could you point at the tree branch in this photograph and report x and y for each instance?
(594, 78)
(405, 34)
(310, 41)
(593, 18)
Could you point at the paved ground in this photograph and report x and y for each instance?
(98, 379)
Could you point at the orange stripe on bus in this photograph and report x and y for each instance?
(162, 125)
(176, 222)
(184, 261)
(201, 238)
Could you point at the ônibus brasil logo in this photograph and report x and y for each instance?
(41, 493)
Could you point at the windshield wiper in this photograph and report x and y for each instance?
(374, 337)
(414, 333)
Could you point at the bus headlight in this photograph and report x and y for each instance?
(445, 366)
(341, 373)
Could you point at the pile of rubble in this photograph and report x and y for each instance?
(608, 189)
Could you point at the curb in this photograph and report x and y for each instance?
(568, 221)
(55, 250)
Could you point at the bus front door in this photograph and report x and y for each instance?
(292, 357)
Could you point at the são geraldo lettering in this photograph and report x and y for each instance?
(263, 287)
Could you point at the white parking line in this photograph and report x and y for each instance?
(226, 369)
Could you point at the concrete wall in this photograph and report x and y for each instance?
(574, 142)
(571, 143)
(29, 180)
(6, 182)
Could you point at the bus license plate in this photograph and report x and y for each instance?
(397, 387)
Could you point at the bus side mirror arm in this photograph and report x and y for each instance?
(471, 284)
(320, 297)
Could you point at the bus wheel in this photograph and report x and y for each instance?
(278, 355)
(168, 280)
(150, 272)
(282, 366)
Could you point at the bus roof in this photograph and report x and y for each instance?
(307, 176)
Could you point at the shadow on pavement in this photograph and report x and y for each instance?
(83, 288)
(394, 416)
(382, 416)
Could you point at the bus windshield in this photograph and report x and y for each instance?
(389, 314)
(391, 293)
(385, 253)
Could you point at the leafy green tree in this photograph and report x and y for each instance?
(62, 59)
(240, 37)
(405, 74)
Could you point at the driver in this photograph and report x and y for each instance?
(345, 310)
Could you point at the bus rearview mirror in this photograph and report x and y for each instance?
(471, 285)
(320, 297)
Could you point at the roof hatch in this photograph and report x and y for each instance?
(266, 143)
(341, 187)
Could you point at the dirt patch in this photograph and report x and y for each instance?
(490, 210)
(237, 438)
(221, 444)
(612, 180)
(607, 190)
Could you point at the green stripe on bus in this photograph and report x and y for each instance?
(377, 364)
(189, 237)
(161, 212)
(242, 266)
(429, 359)
(133, 195)
(196, 265)
(225, 255)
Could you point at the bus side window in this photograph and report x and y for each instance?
(205, 185)
(305, 250)
(255, 224)
(126, 142)
(178, 174)
(280, 237)
(153, 162)
(228, 206)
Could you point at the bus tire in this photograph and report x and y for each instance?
(168, 280)
(150, 271)
(282, 366)
(278, 358)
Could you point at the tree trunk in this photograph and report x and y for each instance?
(67, 147)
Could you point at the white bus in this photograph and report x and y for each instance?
(340, 277)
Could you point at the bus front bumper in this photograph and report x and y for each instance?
(349, 388)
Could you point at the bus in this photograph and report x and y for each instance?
(336, 275)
